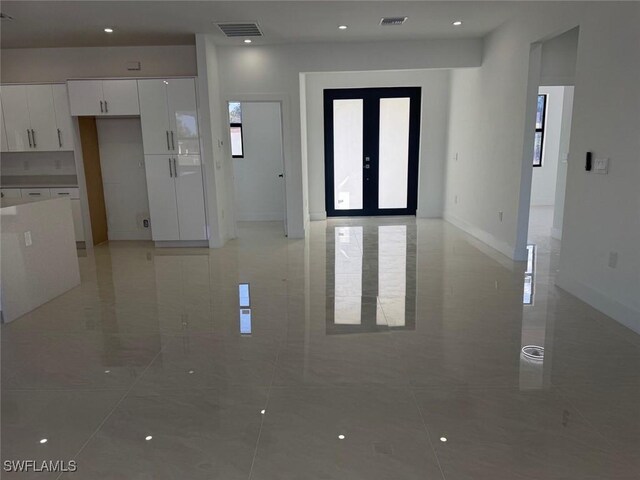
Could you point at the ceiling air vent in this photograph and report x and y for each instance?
(240, 29)
(393, 20)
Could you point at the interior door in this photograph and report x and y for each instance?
(190, 197)
(183, 116)
(161, 188)
(16, 117)
(372, 139)
(42, 115)
(154, 114)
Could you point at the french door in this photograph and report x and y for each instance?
(371, 144)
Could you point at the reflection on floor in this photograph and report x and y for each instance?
(376, 349)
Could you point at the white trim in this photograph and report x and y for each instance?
(316, 216)
(492, 241)
(620, 312)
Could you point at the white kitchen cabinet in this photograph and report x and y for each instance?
(161, 189)
(35, 193)
(76, 211)
(10, 193)
(3, 138)
(16, 117)
(169, 116)
(63, 117)
(103, 97)
(42, 116)
(190, 197)
(31, 118)
(176, 197)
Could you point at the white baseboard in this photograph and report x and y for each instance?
(316, 216)
(620, 312)
(419, 214)
(502, 247)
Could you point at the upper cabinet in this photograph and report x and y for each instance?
(32, 119)
(169, 116)
(103, 97)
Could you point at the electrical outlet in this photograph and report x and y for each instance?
(145, 223)
(613, 259)
(27, 238)
(500, 215)
(601, 165)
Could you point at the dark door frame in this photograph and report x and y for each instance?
(371, 125)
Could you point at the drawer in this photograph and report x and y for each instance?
(35, 193)
(10, 193)
(65, 192)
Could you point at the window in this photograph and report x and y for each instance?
(235, 126)
(541, 113)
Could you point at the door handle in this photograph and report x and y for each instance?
(170, 172)
(29, 136)
(367, 166)
(175, 170)
(281, 175)
(168, 145)
(367, 159)
(59, 139)
(33, 137)
(101, 109)
(106, 107)
(173, 145)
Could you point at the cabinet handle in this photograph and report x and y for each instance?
(168, 145)
(33, 194)
(59, 139)
(106, 107)
(33, 137)
(170, 172)
(173, 145)
(101, 110)
(29, 136)
(63, 193)
(175, 170)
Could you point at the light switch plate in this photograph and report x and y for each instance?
(601, 165)
(27, 238)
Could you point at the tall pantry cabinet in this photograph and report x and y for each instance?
(171, 143)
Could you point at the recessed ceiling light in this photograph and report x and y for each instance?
(107, 371)
(457, 23)
(43, 440)
(191, 372)
(148, 437)
(443, 439)
(262, 411)
(341, 437)
(342, 27)
(248, 40)
(108, 30)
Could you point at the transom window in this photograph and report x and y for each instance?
(235, 127)
(541, 114)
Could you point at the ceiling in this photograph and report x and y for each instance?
(81, 23)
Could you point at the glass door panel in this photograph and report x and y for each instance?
(347, 154)
(393, 156)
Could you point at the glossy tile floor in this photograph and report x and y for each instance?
(376, 349)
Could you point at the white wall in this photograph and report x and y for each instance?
(49, 65)
(433, 133)
(561, 181)
(123, 178)
(275, 70)
(259, 192)
(558, 64)
(490, 108)
(543, 183)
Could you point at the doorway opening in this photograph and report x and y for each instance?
(372, 140)
(255, 131)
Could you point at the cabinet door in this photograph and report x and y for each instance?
(190, 195)
(42, 116)
(3, 138)
(85, 97)
(64, 125)
(121, 97)
(16, 117)
(183, 116)
(162, 197)
(154, 116)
